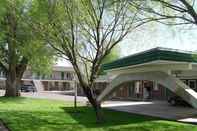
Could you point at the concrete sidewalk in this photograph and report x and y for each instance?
(54, 96)
(159, 109)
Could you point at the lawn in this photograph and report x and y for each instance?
(25, 114)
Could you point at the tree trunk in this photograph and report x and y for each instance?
(98, 111)
(90, 94)
(95, 104)
(12, 85)
(97, 108)
(12, 89)
(13, 78)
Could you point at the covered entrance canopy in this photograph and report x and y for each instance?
(163, 65)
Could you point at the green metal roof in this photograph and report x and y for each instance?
(152, 55)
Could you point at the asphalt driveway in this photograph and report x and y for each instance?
(159, 109)
(53, 95)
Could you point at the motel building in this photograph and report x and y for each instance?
(155, 74)
(61, 78)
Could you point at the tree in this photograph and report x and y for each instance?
(19, 44)
(169, 12)
(84, 32)
(113, 55)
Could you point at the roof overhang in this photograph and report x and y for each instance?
(158, 65)
(155, 56)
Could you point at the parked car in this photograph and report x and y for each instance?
(28, 88)
(176, 100)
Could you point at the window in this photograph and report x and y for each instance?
(192, 84)
(131, 88)
(62, 75)
(68, 75)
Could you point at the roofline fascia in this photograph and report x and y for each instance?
(148, 63)
(156, 48)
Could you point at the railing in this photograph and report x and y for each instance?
(40, 78)
(47, 78)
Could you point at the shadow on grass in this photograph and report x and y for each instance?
(86, 117)
(82, 119)
(69, 119)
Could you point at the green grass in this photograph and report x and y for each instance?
(24, 114)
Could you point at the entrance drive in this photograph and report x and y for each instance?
(159, 109)
(166, 67)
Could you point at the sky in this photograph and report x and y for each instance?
(155, 35)
(63, 62)
(158, 35)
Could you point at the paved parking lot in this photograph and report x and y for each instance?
(156, 108)
(53, 95)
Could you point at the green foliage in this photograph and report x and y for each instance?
(113, 55)
(25, 114)
(28, 42)
(41, 58)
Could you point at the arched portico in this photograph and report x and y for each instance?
(172, 83)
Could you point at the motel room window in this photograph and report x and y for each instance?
(131, 88)
(62, 75)
(68, 75)
(192, 84)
